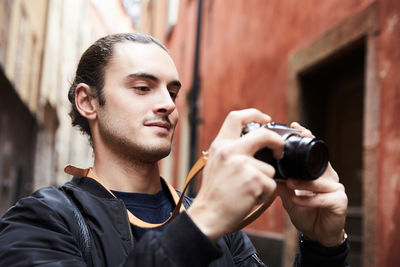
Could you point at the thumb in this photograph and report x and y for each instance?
(286, 194)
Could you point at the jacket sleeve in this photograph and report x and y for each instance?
(243, 251)
(33, 233)
(310, 254)
(181, 244)
(313, 254)
(37, 231)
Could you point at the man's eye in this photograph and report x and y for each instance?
(141, 88)
(173, 95)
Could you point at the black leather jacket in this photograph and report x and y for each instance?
(81, 224)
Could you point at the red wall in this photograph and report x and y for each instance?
(244, 62)
(388, 217)
(181, 44)
(245, 50)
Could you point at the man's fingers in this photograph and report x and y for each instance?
(266, 186)
(257, 177)
(251, 166)
(234, 122)
(318, 185)
(262, 138)
(305, 132)
(323, 200)
(285, 194)
(330, 173)
(266, 169)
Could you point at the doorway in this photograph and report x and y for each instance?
(332, 105)
(333, 90)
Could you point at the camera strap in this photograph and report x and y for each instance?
(197, 167)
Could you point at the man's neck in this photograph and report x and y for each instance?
(127, 176)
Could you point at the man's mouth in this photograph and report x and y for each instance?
(161, 124)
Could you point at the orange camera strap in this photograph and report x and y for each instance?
(197, 167)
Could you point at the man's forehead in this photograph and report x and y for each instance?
(126, 48)
(131, 56)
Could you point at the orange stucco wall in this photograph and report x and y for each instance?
(245, 51)
(388, 206)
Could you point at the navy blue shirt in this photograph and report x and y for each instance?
(150, 208)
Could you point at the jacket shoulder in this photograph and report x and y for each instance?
(45, 199)
(47, 207)
(42, 221)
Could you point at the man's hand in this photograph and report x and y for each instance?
(317, 208)
(233, 180)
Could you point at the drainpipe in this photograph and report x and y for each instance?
(193, 95)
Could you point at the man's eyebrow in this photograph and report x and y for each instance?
(142, 75)
(148, 76)
(175, 83)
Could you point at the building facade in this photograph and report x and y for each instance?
(331, 65)
(40, 45)
(21, 49)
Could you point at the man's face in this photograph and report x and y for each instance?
(139, 116)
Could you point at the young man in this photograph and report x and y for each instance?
(123, 97)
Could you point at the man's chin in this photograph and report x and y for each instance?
(155, 156)
(161, 153)
(152, 155)
(146, 153)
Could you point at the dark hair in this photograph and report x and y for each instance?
(91, 69)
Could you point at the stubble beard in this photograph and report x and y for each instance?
(127, 149)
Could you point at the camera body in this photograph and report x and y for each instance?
(304, 158)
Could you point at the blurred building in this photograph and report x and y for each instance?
(329, 64)
(40, 45)
(332, 65)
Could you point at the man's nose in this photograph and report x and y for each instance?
(165, 104)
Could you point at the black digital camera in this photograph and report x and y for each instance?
(304, 158)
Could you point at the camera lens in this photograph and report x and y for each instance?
(304, 158)
(315, 160)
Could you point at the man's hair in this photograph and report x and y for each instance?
(91, 70)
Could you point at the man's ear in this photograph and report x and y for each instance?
(85, 101)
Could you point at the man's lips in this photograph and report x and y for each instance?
(162, 124)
